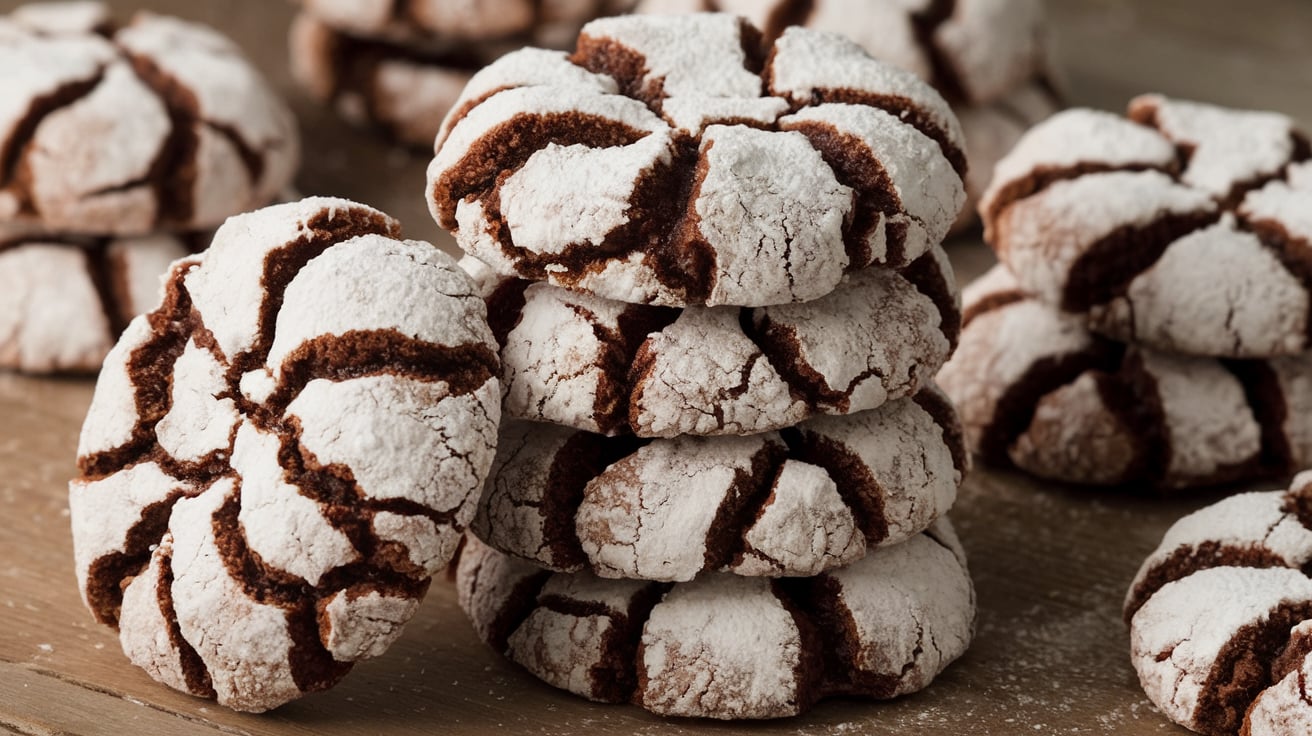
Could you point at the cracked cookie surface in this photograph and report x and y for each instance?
(1184, 227)
(196, 133)
(1220, 616)
(1036, 389)
(279, 457)
(730, 647)
(615, 368)
(666, 162)
(790, 503)
(65, 299)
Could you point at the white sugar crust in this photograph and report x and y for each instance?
(1177, 636)
(804, 527)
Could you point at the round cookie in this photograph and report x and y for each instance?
(197, 134)
(1034, 388)
(790, 503)
(1220, 616)
(730, 647)
(610, 367)
(65, 299)
(1185, 227)
(628, 171)
(280, 456)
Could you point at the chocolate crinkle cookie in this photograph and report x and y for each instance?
(64, 299)
(670, 161)
(444, 20)
(280, 455)
(795, 502)
(610, 367)
(730, 647)
(1185, 226)
(197, 134)
(1220, 616)
(1036, 389)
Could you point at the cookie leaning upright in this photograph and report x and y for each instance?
(120, 147)
(309, 372)
(665, 163)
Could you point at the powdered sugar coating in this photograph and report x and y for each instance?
(467, 23)
(605, 366)
(727, 647)
(87, 117)
(1176, 228)
(65, 299)
(1221, 615)
(691, 186)
(673, 508)
(250, 436)
(1037, 390)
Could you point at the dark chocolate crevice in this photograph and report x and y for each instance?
(786, 13)
(109, 279)
(11, 148)
(194, 672)
(902, 108)
(614, 678)
(108, 574)
(1294, 253)
(944, 75)
(940, 409)
(991, 303)
(855, 166)
(742, 505)
(801, 597)
(625, 65)
(173, 173)
(927, 275)
(1014, 411)
(1044, 176)
(518, 605)
(1131, 395)
(1106, 269)
(1266, 399)
(584, 456)
(505, 307)
(1185, 561)
(1241, 670)
(859, 489)
(820, 601)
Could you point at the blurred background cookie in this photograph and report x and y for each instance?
(400, 66)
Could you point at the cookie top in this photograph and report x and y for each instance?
(309, 372)
(65, 299)
(615, 368)
(729, 647)
(196, 132)
(792, 503)
(468, 22)
(1036, 389)
(1221, 615)
(664, 162)
(972, 51)
(1184, 227)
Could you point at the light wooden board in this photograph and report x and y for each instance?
(1051, 564)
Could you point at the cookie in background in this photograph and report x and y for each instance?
(196, 133)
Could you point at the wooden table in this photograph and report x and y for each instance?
(1051, 564)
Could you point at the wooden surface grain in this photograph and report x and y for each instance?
(1051, 564)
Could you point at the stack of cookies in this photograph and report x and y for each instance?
(116, 145)
(1150, 322)
(399, 65)
(986, 57)
(712, 266)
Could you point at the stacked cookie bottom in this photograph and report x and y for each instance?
(748, 517)
(1149, 325)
